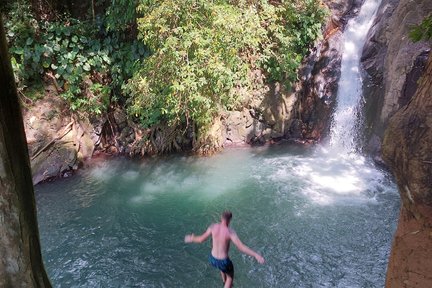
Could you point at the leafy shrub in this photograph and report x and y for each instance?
(120, 15)
(74, 55)
(196, 61)
(292, 26)
(203, 52)
(20, 26)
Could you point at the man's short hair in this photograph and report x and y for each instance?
(227, 215)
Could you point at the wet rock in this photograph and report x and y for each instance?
(214, 140)
(86, 147)
(392, 62)
(316, 93)
(54, 162)
(94, 128)
(407, 150)
(296, 129)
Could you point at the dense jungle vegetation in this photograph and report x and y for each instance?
(171, 62)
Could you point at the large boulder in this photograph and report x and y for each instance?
(59, 141)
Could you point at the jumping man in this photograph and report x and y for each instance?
(222, 235)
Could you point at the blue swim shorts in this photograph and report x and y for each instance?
(224, 265)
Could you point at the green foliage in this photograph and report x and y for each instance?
(196, 62)
(34, 92)
(71, 52)
(422, 31)
(120, 15)
(203, 53)
(20, 28)
(292, 27)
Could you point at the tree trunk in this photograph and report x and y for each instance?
(20, 256)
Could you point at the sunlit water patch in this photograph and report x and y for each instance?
(329, 177)
(319, 220)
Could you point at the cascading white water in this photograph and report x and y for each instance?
(344, 130)
(336, 171)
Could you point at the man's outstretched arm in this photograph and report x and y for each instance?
(245, 249)
(198, 239)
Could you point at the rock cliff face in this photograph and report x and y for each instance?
(392, 64)
(407, 148)
(315, 94)
(398, 96)
(58, 141)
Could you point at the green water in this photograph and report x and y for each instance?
(319, 220)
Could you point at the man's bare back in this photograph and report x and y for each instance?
(222, 236)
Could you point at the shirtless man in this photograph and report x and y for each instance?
(222, 235)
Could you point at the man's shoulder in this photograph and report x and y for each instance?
(213, 226)
(232, 231)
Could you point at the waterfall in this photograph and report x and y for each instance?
(336, 172)
(347, 115)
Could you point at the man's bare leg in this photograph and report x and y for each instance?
(229, 281)
(223, 275)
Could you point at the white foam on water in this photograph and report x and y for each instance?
(157, 183)
(103, 171)
(327, 177)
(130, 175)
(202, 179)
(143, 199)
(218, 182)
